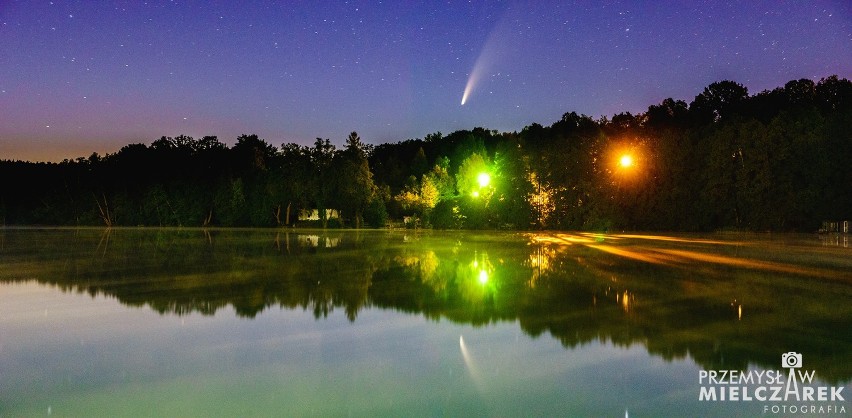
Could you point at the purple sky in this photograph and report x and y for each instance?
(78, 77)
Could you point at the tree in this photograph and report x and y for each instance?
(512, 172)
(475, 191)
(355, 146)
(251, 153)
(778, 160)
(467, 179)
(668, 114)
(355, 181)
(419, 165)
(230, 202)
(376, 214)
(440, 177)
(800, 92)
(294, 181)
(419, 198)
(718, 101)
(834, 94)
(322, 179)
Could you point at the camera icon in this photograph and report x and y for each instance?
(791, 360)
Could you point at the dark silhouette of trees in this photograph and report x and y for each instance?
(719, 100)
(777, 160)
(355, 187)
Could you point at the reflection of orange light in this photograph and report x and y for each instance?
(626, 160)
(677, 257)
(675, 239)
(559, 239)
(635, 255)
(745, 263)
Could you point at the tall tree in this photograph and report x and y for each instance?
(323, 179)
(355, 181)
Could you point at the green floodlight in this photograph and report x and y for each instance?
(484, 179)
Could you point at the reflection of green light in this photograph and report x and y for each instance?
(483, 276)
(475, 193)
(483, 179)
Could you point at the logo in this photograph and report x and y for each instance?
(791, 360)
(791, 391)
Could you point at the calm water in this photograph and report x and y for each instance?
(258, 322)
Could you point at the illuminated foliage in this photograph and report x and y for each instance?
(420, 198)
(467, 180)
(570, 286)
(778, 160)
(541, 200)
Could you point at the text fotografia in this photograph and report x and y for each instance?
(790, 391)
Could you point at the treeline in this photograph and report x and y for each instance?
(778, 160)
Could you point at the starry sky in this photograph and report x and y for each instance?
(78, 77)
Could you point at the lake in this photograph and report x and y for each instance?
(206, 322)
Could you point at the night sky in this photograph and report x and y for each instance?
(92, 76)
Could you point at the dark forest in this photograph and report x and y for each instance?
(778, 160)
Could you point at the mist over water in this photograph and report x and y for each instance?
(219, 322)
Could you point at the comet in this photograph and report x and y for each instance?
(485, 60)
(471, 81)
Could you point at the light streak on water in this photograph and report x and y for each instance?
(707, 254)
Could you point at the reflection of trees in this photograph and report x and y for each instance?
(721, 317)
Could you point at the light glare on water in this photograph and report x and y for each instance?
(226, 323)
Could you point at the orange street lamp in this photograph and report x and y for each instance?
(626, 161)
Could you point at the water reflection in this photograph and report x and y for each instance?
(679, 297)
(314, 241)
(836, 240)
(470, 364)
